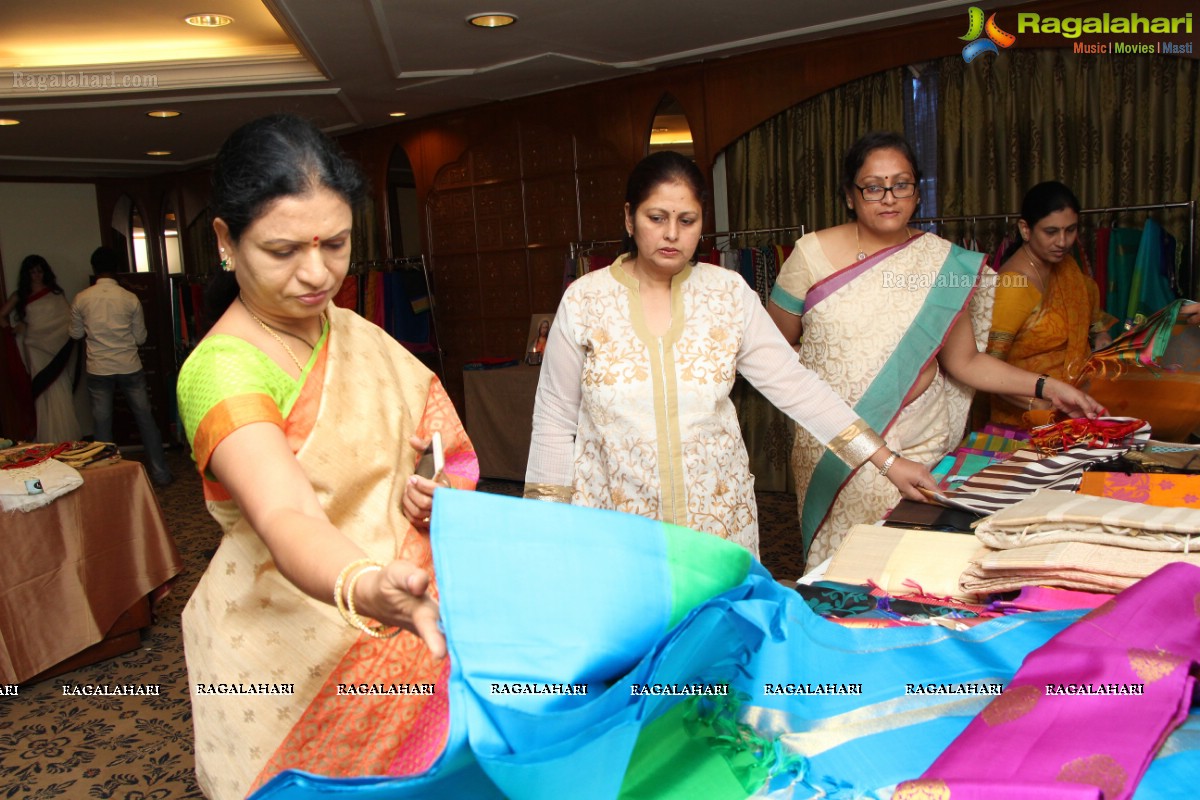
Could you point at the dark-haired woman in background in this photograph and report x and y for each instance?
(1047, 317)
(306, 422)
(633, 410)
(43, 321)
(891, 319)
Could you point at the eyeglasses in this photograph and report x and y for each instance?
(900, 191)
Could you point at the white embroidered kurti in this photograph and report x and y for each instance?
(630, 421)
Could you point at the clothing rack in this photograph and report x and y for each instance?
(1188, 264)
(409, 263)
(575, 249)
(389, 265)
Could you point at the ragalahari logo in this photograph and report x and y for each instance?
(976, 27)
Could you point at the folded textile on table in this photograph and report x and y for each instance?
(83, 454)
(1025, 472)
(693, 673)
(1052, 516)
(842, 601)
(1045, 598)
(1154, 489)
(904, 562)
(1167, 455)
(1067, 565)
(27, 488)
(1090, 709)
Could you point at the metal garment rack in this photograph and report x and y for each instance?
(409, 263)
(575, 249)
(1190, 205)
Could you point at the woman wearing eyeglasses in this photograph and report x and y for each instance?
(891, 319)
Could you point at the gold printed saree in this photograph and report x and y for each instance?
(247, 627)
(869, 330)
(1044, 335)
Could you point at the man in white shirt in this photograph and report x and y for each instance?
(111, 319)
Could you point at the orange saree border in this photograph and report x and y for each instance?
(349, 735)
(234, 412)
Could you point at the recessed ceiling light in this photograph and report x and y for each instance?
(495, 19)
(208, 20)
(163, 113)
(398, 114)
(6, 121)
(158, 152)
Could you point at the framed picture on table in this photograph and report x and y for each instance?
(539, 331)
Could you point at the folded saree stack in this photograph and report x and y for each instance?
(1072, 541)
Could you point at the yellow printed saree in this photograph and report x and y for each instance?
(265, 661)
(1044, 335)
(869, 330)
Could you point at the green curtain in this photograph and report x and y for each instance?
(785, 171)
(1119, 130)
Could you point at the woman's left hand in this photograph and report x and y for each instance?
(910, 478)
(418, 493)
(1071, 401)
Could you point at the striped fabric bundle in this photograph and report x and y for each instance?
(1025, 472)
(1142, 346)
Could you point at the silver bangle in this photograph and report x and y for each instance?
(887, 464)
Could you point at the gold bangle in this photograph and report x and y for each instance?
(378, 631)
(887, 464)
(856, 444)
(338, 599)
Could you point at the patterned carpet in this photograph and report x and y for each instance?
(140, 748)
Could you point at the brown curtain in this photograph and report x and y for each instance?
(785, 171)
(1119, 130)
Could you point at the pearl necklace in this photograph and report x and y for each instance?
(275, 335)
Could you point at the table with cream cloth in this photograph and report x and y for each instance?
(71, 568)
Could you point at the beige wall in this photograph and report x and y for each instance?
(58, 221)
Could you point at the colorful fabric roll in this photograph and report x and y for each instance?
(601, 655)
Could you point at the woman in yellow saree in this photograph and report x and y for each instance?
(1046, 309)
(897, 330)
(306, 422)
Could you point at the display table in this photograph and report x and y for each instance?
(71, 570)
(500, 418)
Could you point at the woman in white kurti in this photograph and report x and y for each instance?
(633, 409)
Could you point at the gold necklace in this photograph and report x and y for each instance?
(274, 335)
(1041, 276)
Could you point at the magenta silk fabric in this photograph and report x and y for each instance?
(1046, 736)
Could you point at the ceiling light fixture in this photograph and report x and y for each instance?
(208, 20)
(158, 152)
(7, 121)
(398, 114)
(163, 114)
(492, 19)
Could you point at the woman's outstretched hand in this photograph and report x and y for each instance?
(1071, 401)
(398, 595)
